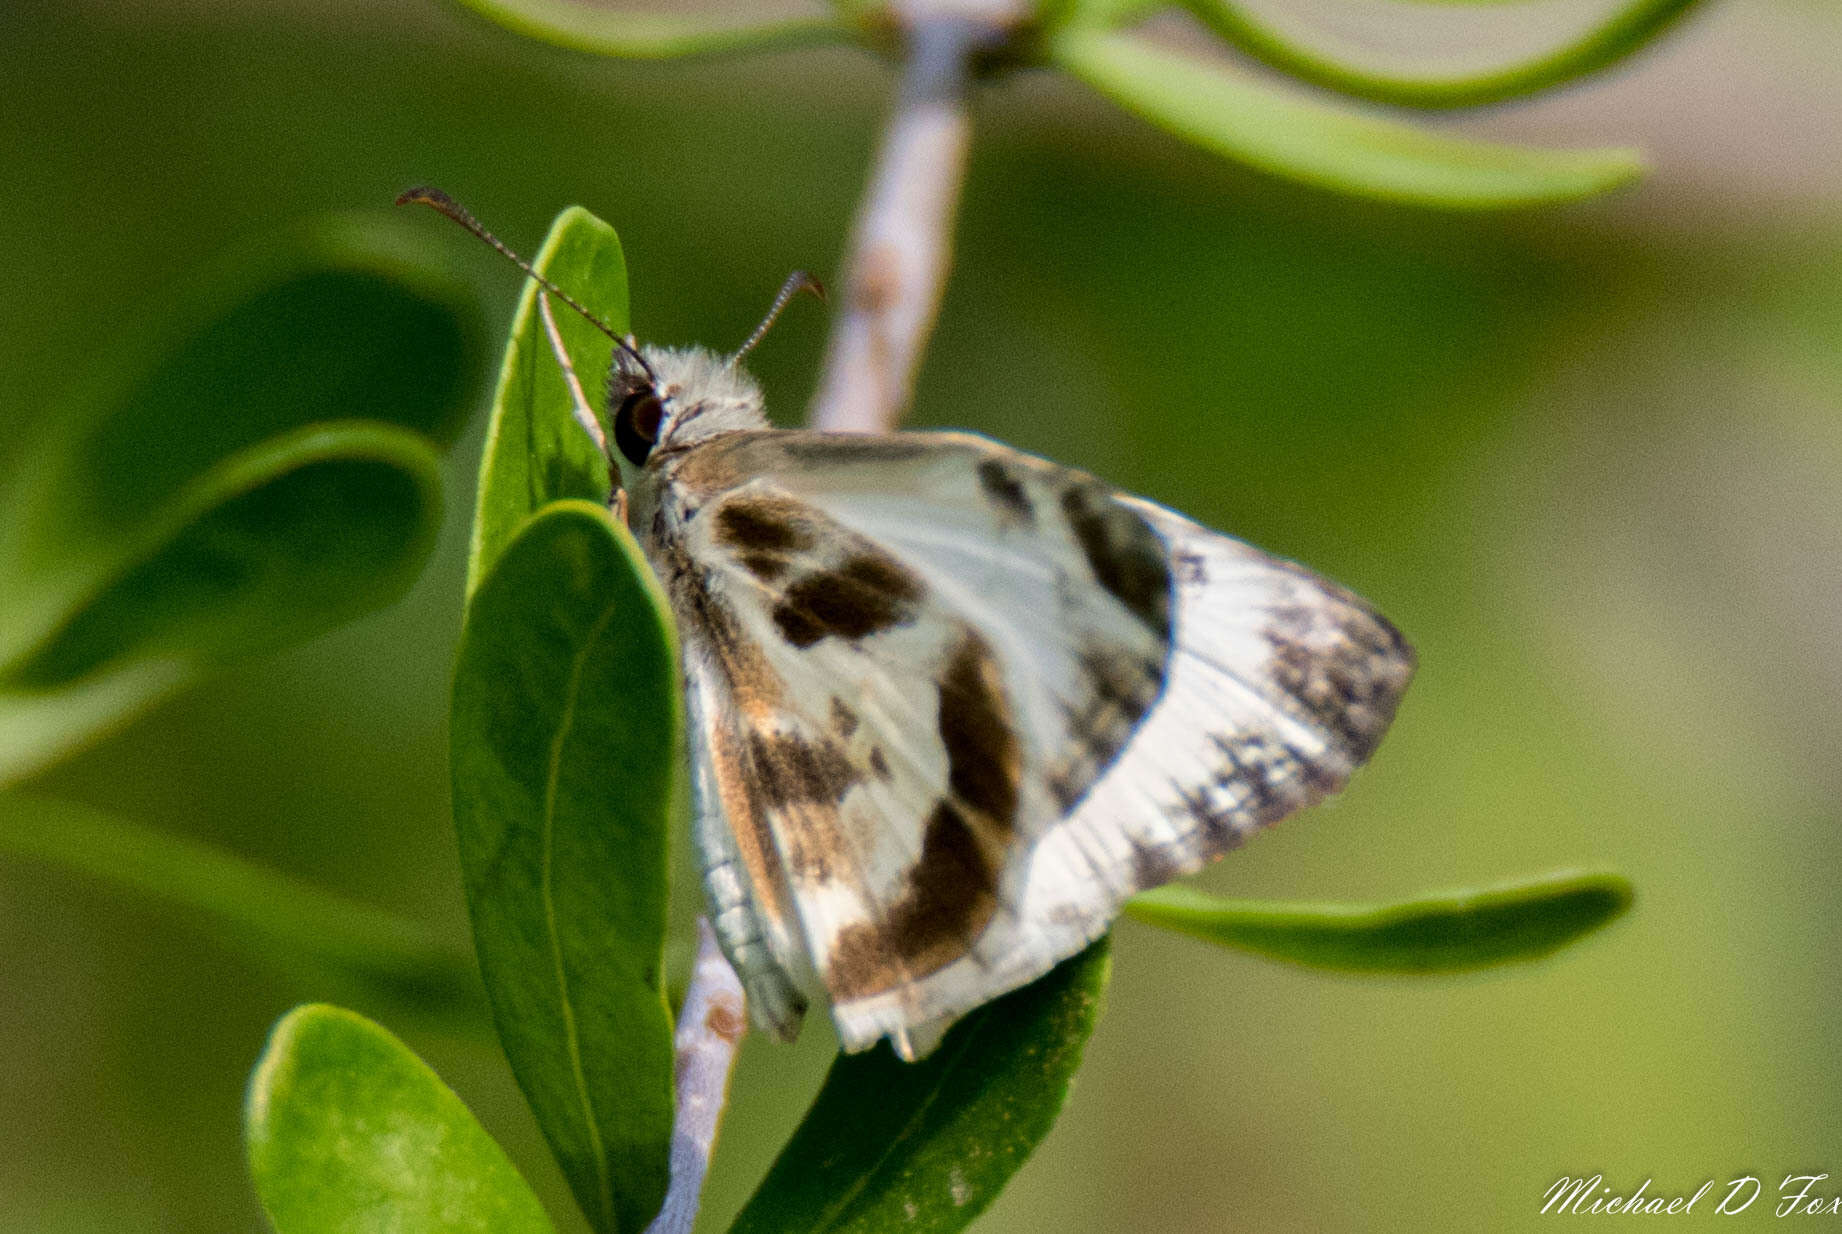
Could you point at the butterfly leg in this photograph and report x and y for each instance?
(579, 405)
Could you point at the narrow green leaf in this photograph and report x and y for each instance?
(1610, 38)
(348, 1132)
(1323, 144)
(277, 917)
(925, 1146)
(563, 746)
(536, 453)
(649, 36)
(274, 545)
(226, 398)
(1444, 933)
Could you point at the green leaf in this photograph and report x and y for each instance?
(563, 745)
(1610, 38)
(1323, 144)
(925, 1146)
(210, 494)
(277, 917)
(649, 36)
(348, 1132)
(1444, 933)
(536, 453)
(278, 543)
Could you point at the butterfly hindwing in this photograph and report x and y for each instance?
(958, 703)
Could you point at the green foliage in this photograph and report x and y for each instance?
(648, 36)
(279, 919)
(1440, 933)
(257, 470)
(1319, 142)
(563, 747)
(1324, 145)
(564, 740)
(926, 1146)
(535, 452)
(348, 1132)
(1612, 37)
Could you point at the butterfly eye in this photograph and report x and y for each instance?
(636, 425)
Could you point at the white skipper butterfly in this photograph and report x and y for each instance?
(951, 705)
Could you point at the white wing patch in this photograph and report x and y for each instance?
(958, 704)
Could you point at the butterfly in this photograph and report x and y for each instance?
(950, 705)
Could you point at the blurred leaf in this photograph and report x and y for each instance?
(535, 451)
(563, 745)
(349, 1132)
(925, 1146)
(1611, 38)
(1444, 933)
(276, 544)
(649, 36)
(190, 506)
(1323, 144)
(279, 917)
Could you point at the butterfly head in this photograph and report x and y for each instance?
(657, 397)
(661, 397)
(665, 397)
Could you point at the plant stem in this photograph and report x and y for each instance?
(901, 249)
(710, 1026)
(902, 244)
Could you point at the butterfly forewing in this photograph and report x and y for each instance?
(959, 703)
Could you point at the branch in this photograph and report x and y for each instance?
(710, 1026)
(901, 249)
(902, 243)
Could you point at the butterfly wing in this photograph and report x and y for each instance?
(958, 704)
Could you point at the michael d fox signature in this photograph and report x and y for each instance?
(1797, 1196)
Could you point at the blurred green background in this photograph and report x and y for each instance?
(1586, 457)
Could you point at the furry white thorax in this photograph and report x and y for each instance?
(704, 395)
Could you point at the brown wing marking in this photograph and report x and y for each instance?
(951, 892)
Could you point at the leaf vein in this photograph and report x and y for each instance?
(578, 666)
(968, 1036)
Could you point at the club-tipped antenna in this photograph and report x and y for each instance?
(436, 199)
(797, 282)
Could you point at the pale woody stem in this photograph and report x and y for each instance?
(710, 1027)
(903, 241)
(900, 253)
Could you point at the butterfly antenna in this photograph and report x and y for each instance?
(797, 282)
(438, 200)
